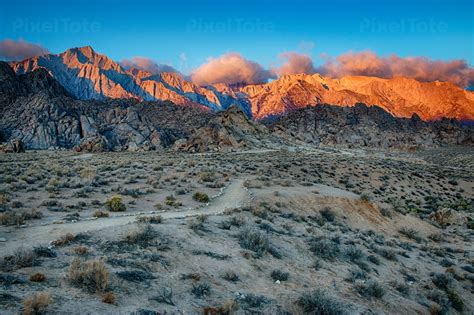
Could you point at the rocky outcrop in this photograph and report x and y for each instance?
(86, 75)
(14, 146)
(228, 131)
(364, 126)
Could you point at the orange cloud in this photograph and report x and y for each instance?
(146, 64)
(367, 63)
(19, 50)
(295, 63)
(230, 68)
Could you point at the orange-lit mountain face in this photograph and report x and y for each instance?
(89, 75)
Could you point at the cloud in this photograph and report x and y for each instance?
(230, 68)
(19, 50)
(367, 63)
(146, 64)
(295, 63)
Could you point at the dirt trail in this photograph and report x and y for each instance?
(235, 195)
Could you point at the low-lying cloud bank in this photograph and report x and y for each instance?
(19, 50)
(231, 68)
(146, 64)
(368, 63)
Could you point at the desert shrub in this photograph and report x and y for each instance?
(401, 287)
(373, 259)
(196, 225)
(108, 298)
(210, 254)
(64, 240)
(91, 276)
(81, 250)
(327, 214)
(19, 218)
(370, 289)
(227, 308)
(37, 277)
(155, 219)
(201, 289)
(135, 275)
(143, 237)
(324, 247)
(411, 234)
(280, 275)
(21, 258)
(100, 214)
(237, 220)
(115, 204)
(386, 212)
(387, 253)
(231, 276)
(251, 300)
(353, 253)
(320, 302)
(36, 304)
(165, 296)
(254, 240)
(441, 298)
(201, 197)
(356, 274)
(442, 281)
(44, 251)
(172, 201)
(456, 300)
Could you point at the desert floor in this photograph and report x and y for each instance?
(334, 231)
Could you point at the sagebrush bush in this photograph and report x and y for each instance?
(254, 240)
(320, 302)
(92, 276)
(115, 204)
(100, 214)
(327, 214)
(201, 197)
(108, 298)
(370, 289)
(36, 304)
(280, 275)
(21, 258)
(324, 247)
(37, 277)
(143, 237)
(201, 289)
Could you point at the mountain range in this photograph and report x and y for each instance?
(88, 75)
(37, 112)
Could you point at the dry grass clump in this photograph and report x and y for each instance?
(21, 258)
(64, 240)
(156, 219)
(108, 298)
(36, 304)
(91, 276)
(37, 277)
(100, 214)
(19, 218)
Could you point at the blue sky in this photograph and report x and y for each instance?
(185, 33)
